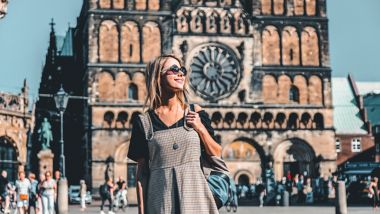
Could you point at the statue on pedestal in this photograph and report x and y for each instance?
(45, 135)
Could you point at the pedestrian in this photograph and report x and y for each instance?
(57, 177)
(33, 193)
(374, 191)
(175, 134)
(39, 205)
(308, 191)
(23, 188)
(49, 192)
(4, 194)
(260, 189)
(106, 194)
(83, 192)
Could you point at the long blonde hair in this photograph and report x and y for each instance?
(153, 83)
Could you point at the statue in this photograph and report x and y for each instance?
(3, 8)
(45, 134)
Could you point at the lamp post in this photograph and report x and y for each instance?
(61, 99)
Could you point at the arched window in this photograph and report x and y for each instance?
(108, 42)
(240, 23)
(130, 42)
(278, 7)
(182, 24)
(269, 89)
(229, 119)
(280, 119)
(300, 82)
(292, 121)
(216, 118)
(255, 119)
(132, 92)
(294, 95)
(271, 46)
(284, 85)
(242, 118)
(140, 5)
(315, 90)
(109, 116)
(105, 87)
(197, 21)
(290, 46)
(268, 119)
(212, 22)
(318, 121)
(121, 84)
(151, 41)
(122, 118)
(226, 23)
(266, 7)
(310, 47)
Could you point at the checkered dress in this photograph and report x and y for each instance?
(176, 181)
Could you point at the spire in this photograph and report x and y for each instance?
(52, 51)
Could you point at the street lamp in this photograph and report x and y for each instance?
(61, 99)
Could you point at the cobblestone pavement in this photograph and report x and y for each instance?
(94, 208)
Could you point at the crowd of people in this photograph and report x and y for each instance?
(114, 193)
(27, 194)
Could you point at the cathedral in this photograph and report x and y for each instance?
(260, 69)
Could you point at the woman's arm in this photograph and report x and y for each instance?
(139, 189)
(211, 146)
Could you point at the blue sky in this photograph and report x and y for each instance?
(354, 30)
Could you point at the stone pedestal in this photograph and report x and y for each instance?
(46, 161)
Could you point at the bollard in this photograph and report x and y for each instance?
(340, 199)
(285, 199)
(63, 205)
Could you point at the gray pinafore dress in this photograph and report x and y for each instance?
(176, 181)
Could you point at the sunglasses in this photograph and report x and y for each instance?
(174, 70)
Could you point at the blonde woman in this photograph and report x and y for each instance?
(162, 138)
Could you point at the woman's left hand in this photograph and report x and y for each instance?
(193, 119)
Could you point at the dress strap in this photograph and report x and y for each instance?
(147, 125)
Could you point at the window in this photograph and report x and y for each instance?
(294, 95)
(132, 92)
(356, 145)
(131, 180)
(338, 146)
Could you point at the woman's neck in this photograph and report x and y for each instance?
(170, 101)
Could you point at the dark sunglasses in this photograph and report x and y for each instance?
(174, 70)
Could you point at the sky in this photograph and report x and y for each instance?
(354, 33)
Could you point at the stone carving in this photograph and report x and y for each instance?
(45, 135)
(215, 71)
(3, 8)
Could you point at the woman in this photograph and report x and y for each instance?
(107, 194)
(374, 190)
(161, 137)
(49, 191)
(23, 187)
(40, 208)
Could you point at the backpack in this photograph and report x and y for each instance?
(103, 190)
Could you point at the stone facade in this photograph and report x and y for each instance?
(259, 68)
(15, 127)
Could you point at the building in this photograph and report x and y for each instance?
(354, 139)
(16, 124)
(259, 68)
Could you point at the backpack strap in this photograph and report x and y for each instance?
(147, 125)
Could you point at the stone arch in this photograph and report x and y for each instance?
(268, 120)
(266, 7)
(311, 7)
(255, 119)
(130, 42)
(299, 7)
(278, 7)
(118, 4)
(151, 41)
(109, 119)
(280, 121)
(315, 90)
(305, 121)
(121, 120)
(284, 84)
(290, 46)
(121, 87)
(105, 86)
(269, 89)
(310, 47)
(108, 42)
(271, 46)
(154, 5)
(9, 157)
(212, 22)
(139, 79)
(198, 21)
(242, 120)
(217, 119)
(226, 20)
(295, 155)
(301, 83)
(121, 160)
(318, 121)
(105, 4)
(247, 175)
(292, 122)
(140, 4)
(294, 94)
(229, 119)
(182, 21)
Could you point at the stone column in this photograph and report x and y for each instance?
(46, 161)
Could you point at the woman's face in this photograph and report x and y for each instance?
(169, 81)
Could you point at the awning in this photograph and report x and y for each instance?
(358, 172)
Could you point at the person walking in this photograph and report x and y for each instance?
(83, 192)
(4, 194)
(260, 189)
(23, 188)
(33, 193)
(374, 191)
(106, 194)
(49, 192)
(166, 143)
